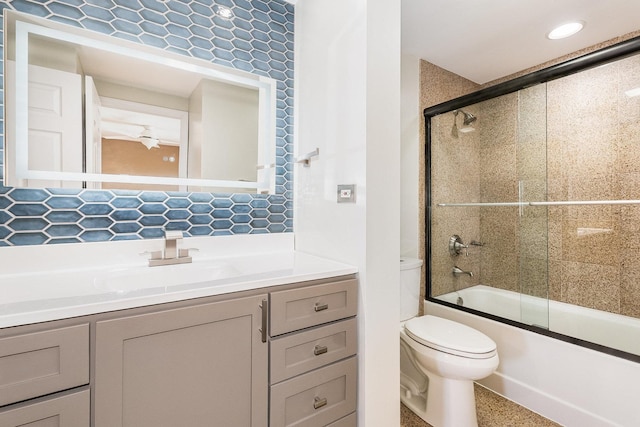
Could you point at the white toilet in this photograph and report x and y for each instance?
(439, 359)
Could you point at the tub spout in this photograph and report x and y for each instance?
(457, 271)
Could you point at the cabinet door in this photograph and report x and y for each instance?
(197, 366)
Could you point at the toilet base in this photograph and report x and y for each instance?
(448, 403)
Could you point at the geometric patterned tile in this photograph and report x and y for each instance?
(258, 39)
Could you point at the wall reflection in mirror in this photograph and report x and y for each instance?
(86, 110)
(546, 178)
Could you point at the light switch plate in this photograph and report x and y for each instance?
(346, 193)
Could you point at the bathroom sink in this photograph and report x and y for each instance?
(124, 280)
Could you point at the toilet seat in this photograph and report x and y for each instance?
(450, 337)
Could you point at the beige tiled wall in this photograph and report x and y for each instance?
(455, 173)
(498, 183)
(593, 137)
(439, 85)
(576, 138)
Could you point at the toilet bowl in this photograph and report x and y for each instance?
(439, 360)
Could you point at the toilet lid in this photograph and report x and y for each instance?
(450, 337)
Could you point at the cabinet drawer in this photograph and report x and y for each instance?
(298, 353)
(304, 307)
(40, 363)
(317, 398)
(70, 410)
(348, 421)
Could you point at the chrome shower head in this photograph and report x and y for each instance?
(468, 118)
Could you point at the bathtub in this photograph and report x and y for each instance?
(569, 384)
(600, 327)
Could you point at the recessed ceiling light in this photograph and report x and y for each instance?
(223, 12)
(565, 30)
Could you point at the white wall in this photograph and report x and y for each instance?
(410, 116)
(348, 105)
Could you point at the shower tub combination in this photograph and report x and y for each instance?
(536, 200)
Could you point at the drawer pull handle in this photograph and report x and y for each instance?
(264, 309)
(319, 403)
(320, 307)
(320, 349)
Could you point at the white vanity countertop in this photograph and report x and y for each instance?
(45, 295)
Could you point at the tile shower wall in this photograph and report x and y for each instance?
(562, 143)
(485, 165)
(513, 136)
(259, 39)
(458, 157)
(497, 119)
(557, 142)
(593, 155)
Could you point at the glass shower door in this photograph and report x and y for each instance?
(531, 170)
(488, 160)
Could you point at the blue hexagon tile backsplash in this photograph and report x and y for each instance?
(259, 39)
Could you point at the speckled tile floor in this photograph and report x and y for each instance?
(493, 411)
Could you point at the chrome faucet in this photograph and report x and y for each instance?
(171, 254)
(171, 239)
(457, 271)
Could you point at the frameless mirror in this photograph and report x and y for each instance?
(86, 110)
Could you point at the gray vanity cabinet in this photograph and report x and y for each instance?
(277, 356)
(199, 365)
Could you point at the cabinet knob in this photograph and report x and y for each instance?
(319, 402)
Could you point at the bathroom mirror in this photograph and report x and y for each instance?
(87, 110)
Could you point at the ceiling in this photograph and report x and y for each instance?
(483, 40)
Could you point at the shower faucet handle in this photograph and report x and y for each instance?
(456, 246)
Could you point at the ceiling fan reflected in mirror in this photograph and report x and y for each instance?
(148, 138)
(143, 134)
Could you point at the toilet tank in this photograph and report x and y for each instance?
(410, 269)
